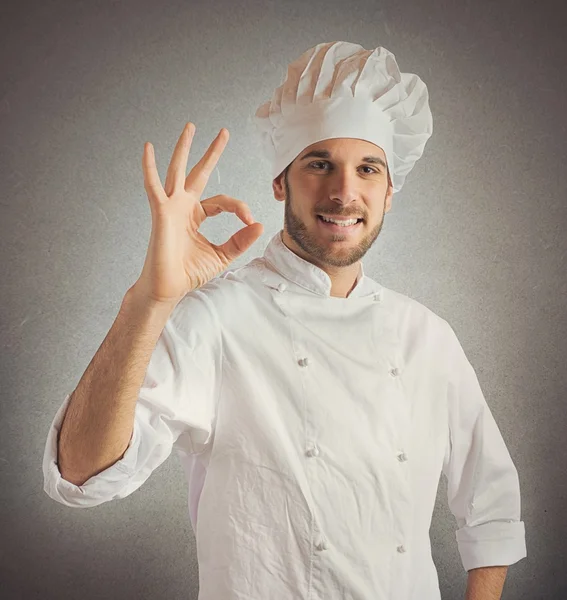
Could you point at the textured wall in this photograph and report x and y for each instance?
(477, 235)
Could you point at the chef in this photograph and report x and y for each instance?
(313, 409)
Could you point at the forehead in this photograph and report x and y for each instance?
(342, 147)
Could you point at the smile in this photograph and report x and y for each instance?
(345, 229)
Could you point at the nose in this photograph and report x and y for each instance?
(344, 188)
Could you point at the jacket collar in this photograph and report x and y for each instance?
(300, 272)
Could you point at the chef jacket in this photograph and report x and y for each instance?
(313, 431)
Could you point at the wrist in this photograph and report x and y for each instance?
(137, 301)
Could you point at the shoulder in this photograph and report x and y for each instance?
(412, 314)
(222, 295)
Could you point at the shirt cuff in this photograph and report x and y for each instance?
(113, 482)
(492, 544)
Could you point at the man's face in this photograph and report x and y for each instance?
(340, 184)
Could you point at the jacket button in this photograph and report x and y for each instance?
(303, 362)
(401, 549)
(312, 452)
(402, 456)
(281, 287)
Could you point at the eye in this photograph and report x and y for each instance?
(318, 162)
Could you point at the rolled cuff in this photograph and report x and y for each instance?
(496, 543)
(112, 483)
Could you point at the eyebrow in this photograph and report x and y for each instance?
(326, 154)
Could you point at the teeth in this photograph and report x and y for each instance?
(343, 223)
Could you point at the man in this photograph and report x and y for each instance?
(313, 409)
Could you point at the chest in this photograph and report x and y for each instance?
(349, 383)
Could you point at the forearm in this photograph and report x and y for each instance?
(486, 583)
(98, 425)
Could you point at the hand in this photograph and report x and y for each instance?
(179, 258)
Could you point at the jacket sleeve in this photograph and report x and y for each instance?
(483, 488)
(176, 406)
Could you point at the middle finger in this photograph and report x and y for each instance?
(200, 173)
(176, 171)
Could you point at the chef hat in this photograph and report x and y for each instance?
(341, 90)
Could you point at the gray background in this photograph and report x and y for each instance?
(477, 235)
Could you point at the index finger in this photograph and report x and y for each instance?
(199, 176)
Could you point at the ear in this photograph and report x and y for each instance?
(278, 187)
(389, 195)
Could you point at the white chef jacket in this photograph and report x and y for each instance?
(313, 431)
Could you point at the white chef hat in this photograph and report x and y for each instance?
(341, 90)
